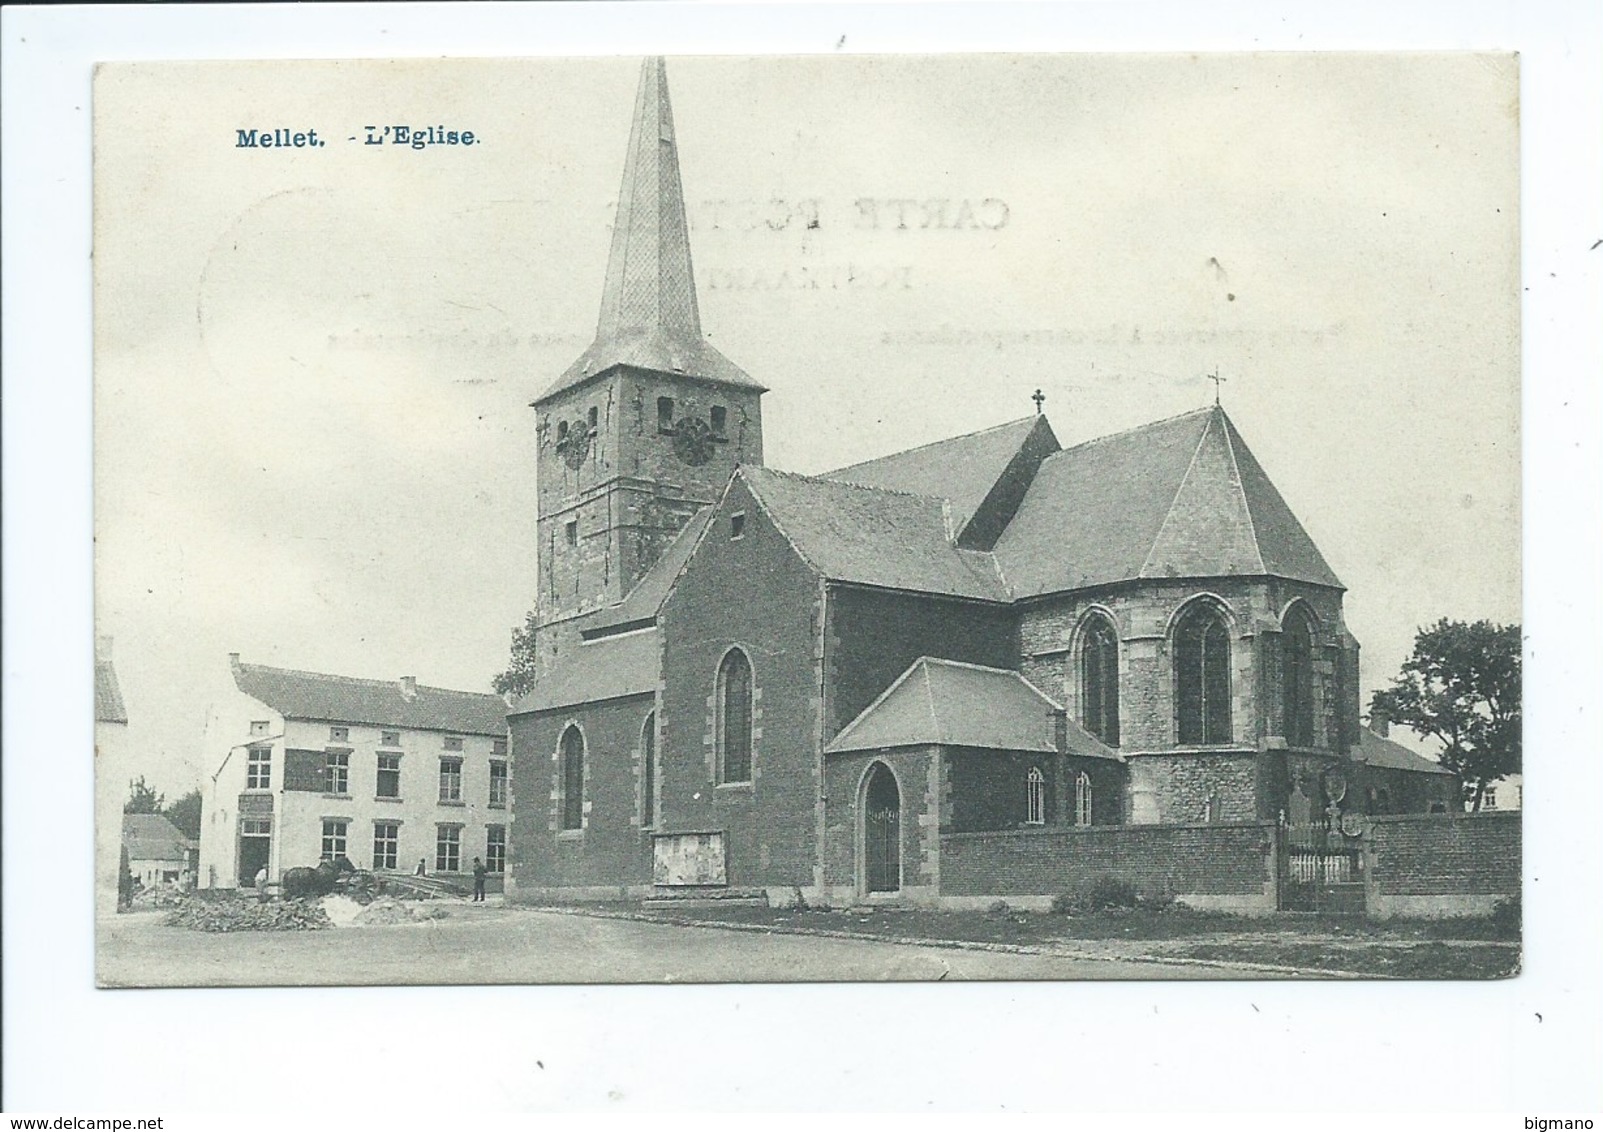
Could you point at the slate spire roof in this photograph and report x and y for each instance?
(1182, 497)
(649, 315)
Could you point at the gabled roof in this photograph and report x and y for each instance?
(108, 695)
(151, 837)
(381, 703)
(642, 602)
(980, 473)
(649, 316)
(873, 537)
(1375, 750)
(1181, 497)
(628, 664)
(954, 704)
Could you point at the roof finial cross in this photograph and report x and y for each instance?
(1217, 382)
(1040, 399)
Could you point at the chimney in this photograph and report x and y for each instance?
(1380, 721)
(103, 649)
(233, 660)
(409, 687)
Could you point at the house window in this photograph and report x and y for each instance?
(258, 727)
(256, 827)
(450, 780)
(1099, 681)
(386, 844)
(1082, 799)
(664, 414)
(648, 772)
(570, 531)
(389, 777)
(389, 739)
(1202, 676)
(334, 830)
(453, 742)
(718, 417)
(336, 772)
(498, 748)
(1035, 797)
(572, 779)
(737, 524)
(734, 718)
(259, 769)
(339, 734)
(448, 849)
(1297, 679)
(495, 848)
(1489, 798)
(498, 784)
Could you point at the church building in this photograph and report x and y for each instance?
(842, 687)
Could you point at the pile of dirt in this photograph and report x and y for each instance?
(342, 911)
(248, 915)
(161, 896)
(389, 910)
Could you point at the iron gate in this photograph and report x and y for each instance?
(1320, 868)
(882, 850)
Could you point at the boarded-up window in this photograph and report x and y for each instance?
(1202, 676)
(572, 779)
(734, 718)
(305, 770)
(1099, 677)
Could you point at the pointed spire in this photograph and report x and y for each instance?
(650, 282)
(649, 315)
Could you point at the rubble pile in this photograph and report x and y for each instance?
(389, 910)
(248, 915)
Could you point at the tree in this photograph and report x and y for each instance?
(518, 679)
(1462, 686)
(185, 814)
(142, 799)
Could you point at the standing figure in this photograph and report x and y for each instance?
(422, 868)
(478, 879)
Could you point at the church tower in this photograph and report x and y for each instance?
(644, 429)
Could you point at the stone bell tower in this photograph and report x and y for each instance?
(644, 429)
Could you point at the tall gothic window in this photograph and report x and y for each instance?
(1082, 799)
(572, 779)
(1035, 797)
(1297, 679)
(648, 772)
(1202, 676)
(734, 718)
(1099, 681)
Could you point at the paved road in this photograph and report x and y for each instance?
(496, 944)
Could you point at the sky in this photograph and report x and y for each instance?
(313, 444)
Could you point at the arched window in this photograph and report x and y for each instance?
(648, 772)
(1099, 681)
(1202, 676)
(572, 779)
(1035, 797)
(1082, 799)
(1297, 679)
(734, 718)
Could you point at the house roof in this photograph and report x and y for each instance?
(108, 695)
(608, 668)
(874, 537)
(151, 837)
(954, 704)
(965, 470)
(646, 597)
(1182, 497)
(649, 316)
(1375, 750)
(348, 699)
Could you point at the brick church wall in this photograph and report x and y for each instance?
(755, 592)
(611, 854)
(918, 772)
(875, 636)
(1227, 867)
(1441, 864)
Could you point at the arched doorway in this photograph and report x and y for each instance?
(881, 807)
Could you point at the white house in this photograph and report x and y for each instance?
(158, 851)
(390, 773)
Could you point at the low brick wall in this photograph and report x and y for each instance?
(1222, 867)
(1441, 864)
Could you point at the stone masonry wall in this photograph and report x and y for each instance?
(1442, 864)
